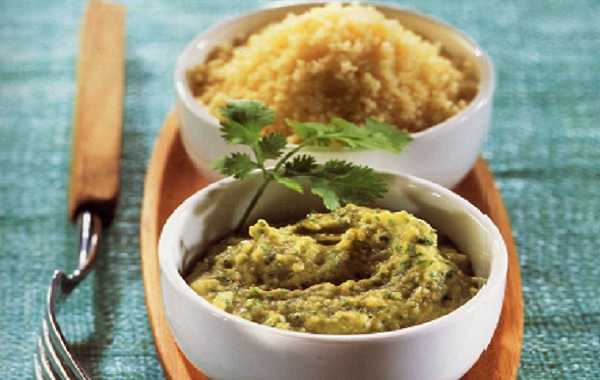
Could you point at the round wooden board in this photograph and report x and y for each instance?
(171, 177)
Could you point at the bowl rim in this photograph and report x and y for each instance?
(487, 80)
(496, 278)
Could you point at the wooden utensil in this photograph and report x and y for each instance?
(98, 118)
(171, 177)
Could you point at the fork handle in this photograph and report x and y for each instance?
(98, 118)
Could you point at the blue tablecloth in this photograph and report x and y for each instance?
(544, 150)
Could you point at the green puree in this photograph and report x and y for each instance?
(354, 270)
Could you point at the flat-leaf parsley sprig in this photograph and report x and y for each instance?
(337, 182)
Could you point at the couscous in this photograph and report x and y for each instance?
(348, 61)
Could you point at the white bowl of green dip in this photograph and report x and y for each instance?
(227, 346)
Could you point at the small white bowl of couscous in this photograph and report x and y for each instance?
(311, 62)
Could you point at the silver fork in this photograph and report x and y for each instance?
(52, 359)
(95, 170)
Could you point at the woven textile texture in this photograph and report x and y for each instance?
(543, 148)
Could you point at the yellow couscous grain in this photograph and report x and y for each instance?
(347, 61)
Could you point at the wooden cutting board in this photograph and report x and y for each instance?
(171, 177)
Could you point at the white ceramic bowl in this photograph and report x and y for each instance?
(225, 346)
(443, 153)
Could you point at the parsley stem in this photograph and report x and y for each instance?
(267, 178)
(291, 153)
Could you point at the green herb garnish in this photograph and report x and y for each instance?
(336, 182)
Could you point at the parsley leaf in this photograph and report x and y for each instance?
(290, 183)
(336, 182)
(244, 121)
(388, 137)
(322, 188)
(300, 165)
(271, 145)
(346, 182)
(374, 135)
(310, 131)
(237, 133)
(236, 164)
(248, 112)
(337, 167)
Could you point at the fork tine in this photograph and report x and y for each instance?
(52, 333)
(42, 364)
(51, 354)
(54, 361)
(64, 357)
(37, 367)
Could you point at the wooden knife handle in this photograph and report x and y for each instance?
(98, 116)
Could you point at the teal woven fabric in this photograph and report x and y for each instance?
(543, 148)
